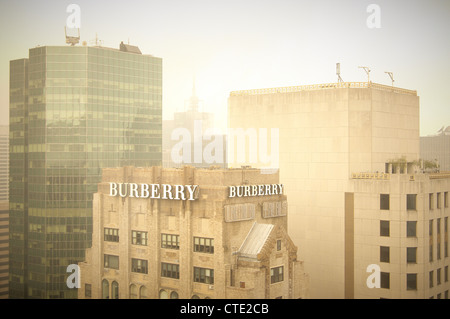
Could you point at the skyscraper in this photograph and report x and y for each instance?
(73, 111)
(198, 132)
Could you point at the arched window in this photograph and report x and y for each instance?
(115, 290)
(133, 291)
(105, 289)
(174, 295)
(143, 292)
(195, 297)
(163, 294)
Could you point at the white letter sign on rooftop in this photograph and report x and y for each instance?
(156, 191)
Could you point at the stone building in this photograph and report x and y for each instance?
(210, 243)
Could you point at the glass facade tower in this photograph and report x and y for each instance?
(73, 111)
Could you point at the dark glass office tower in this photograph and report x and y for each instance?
(73, 111)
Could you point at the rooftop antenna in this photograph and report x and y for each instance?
(367, 71)
(72, 40)
(338, 72)
(391, 75)
(97, 42)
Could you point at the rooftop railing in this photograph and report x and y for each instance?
(313, 87)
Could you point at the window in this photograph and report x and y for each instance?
(446, 237)
(430, 232)
(139, 237)
(430, 201)
(438, 276)
(411, 254)
(170, 270)
(111, 234)
(111, 261)
(204, 245)
(170, 241)
(105, 289)
(438, 200)
(274, 209)
(411, 281)
(239, 212)
(143, 292)
(174, 295)
(431, 277)
(446, 199)
(114, 290)
(385, 280)
(204, 275)
(276, 274)
(88, 290)
(438, 251)
(139, 265)
(411, 201)
(384, 254)
(133, 291)
(411, 228)
(279, 244)
(384, 228)
(384, 201)
(446, 274)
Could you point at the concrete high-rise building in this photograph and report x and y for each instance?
(327, 133)
(437, 148)
(226, 237)
(73, 111)
(4, 211)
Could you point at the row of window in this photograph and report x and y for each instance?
(411, 201)
(411, 254)
(411, 231)
(135, 293)
(411, 279)
(201, 275)
(411, 227)
(170, 241)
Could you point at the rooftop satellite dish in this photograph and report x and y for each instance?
(72, 40)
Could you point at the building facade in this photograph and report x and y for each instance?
(73, 111)
(4, 250)
(327, 132)
(4, 162)
(400, 223)
(4, 212)
(208, 245)
(437, 148)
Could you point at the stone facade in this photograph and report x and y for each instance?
(179, 233)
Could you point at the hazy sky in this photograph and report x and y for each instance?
(233, 45)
